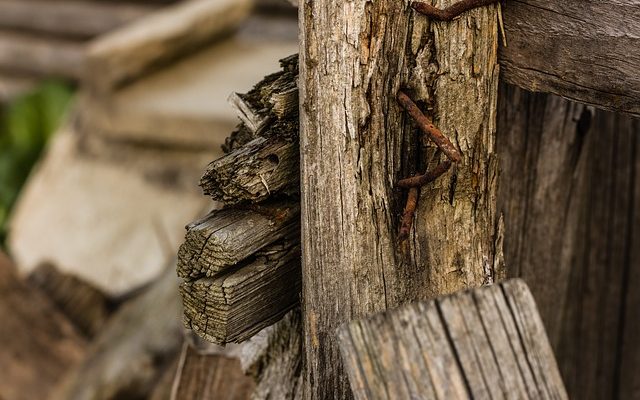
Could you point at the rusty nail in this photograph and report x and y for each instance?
(427, 177)
(407, 215)
(428, 128)
(450, 12)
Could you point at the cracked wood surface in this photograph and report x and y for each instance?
(483, 343)
(584, 50)
(356, 143)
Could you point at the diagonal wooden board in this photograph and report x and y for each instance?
(482, 343)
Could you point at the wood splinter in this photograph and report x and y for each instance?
(451, 12)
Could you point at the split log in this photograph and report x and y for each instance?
(39, 344)
(86, 306)
(582, 50)
(26, 54)
(80, 19)
(234, 306)
(210, 376)
(484, 343)
(128, 357)
(122, 56)
(356, 143)
(254, 172)
(225, 237)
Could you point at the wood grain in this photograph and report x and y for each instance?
(484, 343)
(356, 143)
(583, 50)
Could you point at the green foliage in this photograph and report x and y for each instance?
(25, 127)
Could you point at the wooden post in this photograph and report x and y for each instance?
(356, 143)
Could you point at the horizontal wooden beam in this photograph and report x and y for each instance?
(583, 50)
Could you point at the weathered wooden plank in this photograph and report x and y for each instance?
(225, 237)
(38, 343)
(82, 19)
(125, 54)
(130, 354)
(33, 55)
(584, 50)
(210, 376)
(484, 343)
(86, 306)
(234, 306)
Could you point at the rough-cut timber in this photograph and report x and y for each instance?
(35, 55)
(210, 376)
(356, 143)
(254, 172)
(569, 195)
(485, 343)
(233, 306)
(130, 354)
(225, 237)
(38, 343)
(125, 54)
(82, 19)
(584, 50)
(86, 306)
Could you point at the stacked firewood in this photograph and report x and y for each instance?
(240, 264)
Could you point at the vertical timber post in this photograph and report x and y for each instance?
(356, 142)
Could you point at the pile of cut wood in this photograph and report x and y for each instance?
(241, 264)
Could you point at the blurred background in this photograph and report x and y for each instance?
(109, 113)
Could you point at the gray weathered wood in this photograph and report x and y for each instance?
(38, 343)
(86, 306)
(225, 237)
(83, 19)
(234, 306)
(584, 50)
(254, 172)
(40, 56)
(125, 54)
(484, 343)
(129, 355)
(356, 143)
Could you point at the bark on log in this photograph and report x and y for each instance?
(210, 376)
(234, 306)
(254, 172)
(356, 143)
(129, 356)
(582, 50)
(84, 305)
(32, 55)
(485, 343)
(39, 344)
(81, 19)
(225, 237)
(568, 191)
(125, 54)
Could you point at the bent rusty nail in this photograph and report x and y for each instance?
(427, 177)
(407, 215)
(450, 12)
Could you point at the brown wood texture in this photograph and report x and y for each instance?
(356, 142)
(484, 343)
(136, 49)
(584, 50)
(38, 343)
(210, 377)
(40, 56)
(81, 19)
(569, 196)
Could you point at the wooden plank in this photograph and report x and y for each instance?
(357, 142)
(39, 56)
(484, 343)
(584, 50)
(225, 237)
(39, 344)
(210, 376)
(125, 54)
(81, 19)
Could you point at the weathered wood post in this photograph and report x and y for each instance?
(356, 143)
